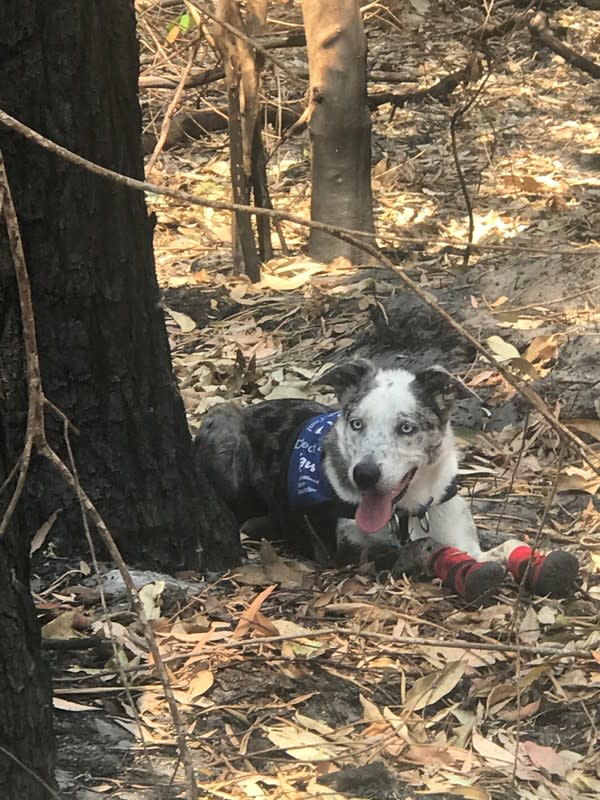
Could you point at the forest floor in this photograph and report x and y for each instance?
(298, 682)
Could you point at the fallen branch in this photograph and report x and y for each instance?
(171, 109)
(439, 91)
(403, 641)
(213, 75)
(540, 29)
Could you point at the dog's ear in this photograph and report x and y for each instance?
(346, 377)
(439, 389)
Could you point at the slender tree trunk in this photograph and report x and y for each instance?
(69, 69)
(242, 99)
(340, 124)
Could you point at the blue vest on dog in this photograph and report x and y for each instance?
(307, 482)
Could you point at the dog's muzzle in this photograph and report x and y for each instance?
(376, 508)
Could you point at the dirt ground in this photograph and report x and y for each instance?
(295, 682)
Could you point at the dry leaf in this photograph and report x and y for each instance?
(521, 366)
(420, 6)
(302, 744)
(502, 349)
(547, 759)
(576, 479)
(151, 596)
(186, 323)
(251, 613)
(523, 712)
(279, 284)
(371, 712)
(590, 426)
(501, 759)
(542, 348)
(43, 531)
(61, 627)
(529, 629)
(69, 705)
(200, 684)
(430, 688)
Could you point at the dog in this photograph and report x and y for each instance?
(341, 484)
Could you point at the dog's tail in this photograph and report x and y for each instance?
(222, 451)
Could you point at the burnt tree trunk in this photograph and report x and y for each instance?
(69, 69)
(26, 735)
(339, 124)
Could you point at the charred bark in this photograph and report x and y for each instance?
(26, 736)
(339, 125)
(69, 70)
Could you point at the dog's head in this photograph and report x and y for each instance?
(393, 422)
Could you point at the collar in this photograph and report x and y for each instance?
(307, 482)
(399, 520)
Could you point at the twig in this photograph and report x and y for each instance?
(35, 408)
(109, 543)
(459, 644)
(458, 115)
(520, 602)
(172, 107)
(51, 792)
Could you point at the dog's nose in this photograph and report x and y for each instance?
(366, 474)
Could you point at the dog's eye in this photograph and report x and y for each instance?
(406, 428)
(356, 424)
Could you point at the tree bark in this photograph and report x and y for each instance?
(25, 693)
(339, 124)
(69, 69)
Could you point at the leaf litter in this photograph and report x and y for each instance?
(279, 668)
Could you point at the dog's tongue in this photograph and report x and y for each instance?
(375, 511)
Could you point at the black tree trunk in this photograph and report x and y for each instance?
(69, 69)
(26, 735)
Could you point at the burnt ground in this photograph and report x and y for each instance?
(336, 683)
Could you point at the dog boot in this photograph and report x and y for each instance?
(554, 574)
(474, 581)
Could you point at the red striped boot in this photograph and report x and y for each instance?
(554, 574)
(474, 581)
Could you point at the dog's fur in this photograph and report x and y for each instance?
(393, 436)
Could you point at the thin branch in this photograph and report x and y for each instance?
(356, 238)
(172, 108)
(252, 41)
(35, 411)
(407, 641)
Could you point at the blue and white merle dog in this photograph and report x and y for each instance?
(333, 483)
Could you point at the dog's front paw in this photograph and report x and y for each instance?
(475, 582)
(554, 575)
